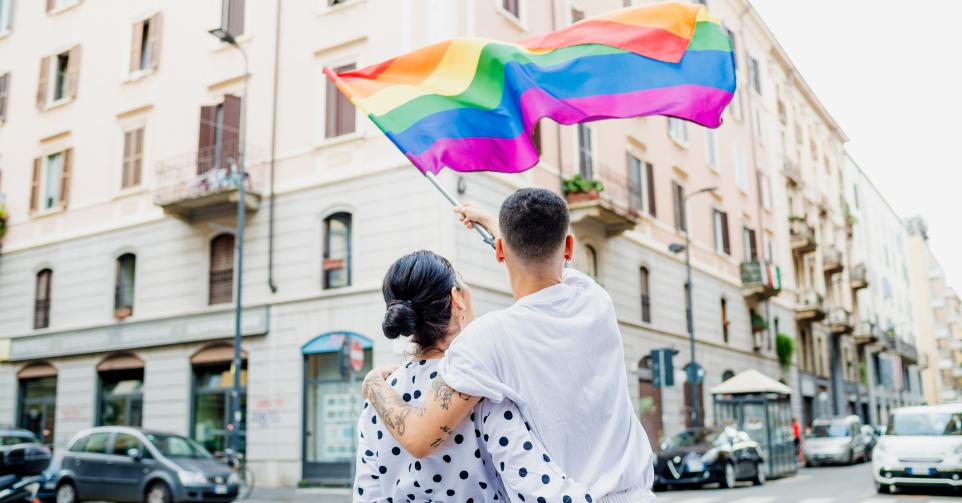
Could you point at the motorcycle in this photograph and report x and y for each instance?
(21, 472)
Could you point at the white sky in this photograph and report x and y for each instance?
(890, 72)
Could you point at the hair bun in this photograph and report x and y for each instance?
(399, 319)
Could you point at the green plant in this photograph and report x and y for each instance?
(758, 323)
(796, 218)
(579, 183)
(784, 348)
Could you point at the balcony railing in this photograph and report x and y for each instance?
(204, 181)
(802, 236)
(832, 261)
(840, 321)
(865, 332)
(810, 306)
(888, 339)
(760, 280)
(615, 208)
(906, 349)
(858, 277)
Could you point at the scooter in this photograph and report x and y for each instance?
(14, 489)
(21, 472)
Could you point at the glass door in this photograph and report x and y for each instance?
(212, 406)
(38, 406)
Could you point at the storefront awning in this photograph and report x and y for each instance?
(750, 381)
(331, 342)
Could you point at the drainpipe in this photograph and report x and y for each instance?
(270, 204)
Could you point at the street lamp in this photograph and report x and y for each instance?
(678, 248)
(241, 177)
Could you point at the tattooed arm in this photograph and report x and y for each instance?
(423, 429)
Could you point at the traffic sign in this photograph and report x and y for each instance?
(357, 356)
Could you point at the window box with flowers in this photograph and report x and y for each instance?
(579, 189)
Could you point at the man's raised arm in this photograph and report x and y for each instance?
(423, 429)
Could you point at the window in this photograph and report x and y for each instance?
(221, 276)
(641, 179)
(60, 4)
(764, 191)
(213, 401)
(591, 261)
(513, 7)
(4, 94)
(219, 139)
(121, 399)
(728, 374)
(41, 310)
(711, 147)
(741, 170)
(124, 286)
(724, 320)
(124, 442)
(38, 401)
(678, 198)
(133, 158)
(731, 37)
(585, 153)
(232, 17)
(577, 15)
(51, 181)
(58, 78)
(721, 232)
(755, 74)
(97, 442)
(339, 115)
(536, 137)
(337, 251)
(749, 245)
(5, 11)
(759, 128)
(678, 130)
(645, 296)
(145, 44)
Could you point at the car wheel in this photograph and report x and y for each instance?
(67, 493)
(158, 492)
(884, 488)
(851, 457)
(728, 477)
(759, 474)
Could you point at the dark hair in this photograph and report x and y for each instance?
(417, 291)
(534, 223)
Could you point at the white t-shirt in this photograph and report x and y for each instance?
(558, 355)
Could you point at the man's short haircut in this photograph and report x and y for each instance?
(534, 223)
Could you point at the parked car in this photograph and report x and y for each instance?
(128, 464)
(835, 440)
(870, 436)
(921, 446)
(701, 456)
(11, 435)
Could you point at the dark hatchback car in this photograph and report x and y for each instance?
(128, 464)
(702, 456)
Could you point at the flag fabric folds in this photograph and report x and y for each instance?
(471, 104)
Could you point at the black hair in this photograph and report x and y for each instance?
(534, 223)
(417, 291)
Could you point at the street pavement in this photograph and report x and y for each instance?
(830, 484)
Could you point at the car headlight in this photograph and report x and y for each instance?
(191, 478)
(710, 457)
(233, 479)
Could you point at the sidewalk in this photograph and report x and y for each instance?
(313, 494)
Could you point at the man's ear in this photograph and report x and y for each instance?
(499, 250)
(569, 247)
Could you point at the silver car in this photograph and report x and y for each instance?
(128, 464)
(835, 440)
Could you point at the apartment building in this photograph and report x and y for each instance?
(885, 330)
(121, 127)
(938, 319)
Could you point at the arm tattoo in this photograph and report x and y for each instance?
(389, 406)
(443, 393)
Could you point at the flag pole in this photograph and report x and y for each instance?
(488, 238)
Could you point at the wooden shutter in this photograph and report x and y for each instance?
(235, 17)
(133, 157)
(73, 71)
(230, 133)
(330, 110)
(138, 165)
(51, 4)
(128, 147)
(753, 244)
(4, 86)
(65, 177)
(650, 172)
(42, 82)
(345, 109)
(633, 166)
(726, 245)
(207, 137)
(35, 185)
(136, 43)
(154, 35)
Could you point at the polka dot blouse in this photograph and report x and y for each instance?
(491, 456)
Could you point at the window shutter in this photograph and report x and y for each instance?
(4, 83)
(42, 82)
(235, 17)
(207, 137)
(73, 71)
(536, 137)
(137, 39)
(128, 148)
(35, 185)
(65, 177)
(330, 110)
(726, 245)
(633, 166)
(650, 172)
(753, 243)
(230, 135)
(51, 4)
(138, 163)
(154, 35)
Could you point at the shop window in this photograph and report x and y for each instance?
(121, 399)
(211, 398)
(337, 250)
(38, 400)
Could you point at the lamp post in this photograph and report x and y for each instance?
(676, 248)
(240, 177)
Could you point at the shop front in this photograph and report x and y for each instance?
(37, 401)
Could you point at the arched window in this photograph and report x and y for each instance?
(38, 400)
(221, 287)
(120, 401)
(124, 286)
(41, 302)
(212, 397)
(336, 263)
(727, 374)
(645, 296)
(591, 261)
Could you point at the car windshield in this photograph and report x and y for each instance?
(175, 446)
(691, 438)
(925, 423)
(16, 439)
(830, 430)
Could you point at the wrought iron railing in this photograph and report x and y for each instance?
(207, 171)
(221, 286)
(41, 313)
(618, 191)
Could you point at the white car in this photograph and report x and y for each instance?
(921, 446)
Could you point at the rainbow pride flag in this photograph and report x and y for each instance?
(471, 104)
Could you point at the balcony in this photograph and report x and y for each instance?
(906, 349)
(203, 182)
(615, 207)
(832, 261)
(760, 280)
(810, 306)
(802, 236)
(888, 339)
(792, 173)
(865, 333)
(858, 276)
(840, 321)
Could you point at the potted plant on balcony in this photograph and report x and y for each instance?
(784, 348)
(579, 189)
(758, 323)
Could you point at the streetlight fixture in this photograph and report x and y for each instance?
(678, 248)
(238, 166)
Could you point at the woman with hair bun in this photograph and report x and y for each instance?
(493, 456)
